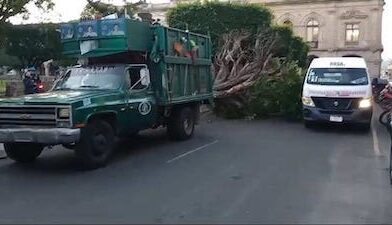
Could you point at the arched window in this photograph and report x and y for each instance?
(312, 31)
(288, 23)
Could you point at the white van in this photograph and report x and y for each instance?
(337, 90)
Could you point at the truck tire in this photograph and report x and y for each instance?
(181, 124)
(23, 152)
(96, 144)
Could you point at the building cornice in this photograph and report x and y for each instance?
(302, 2)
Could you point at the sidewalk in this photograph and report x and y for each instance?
(2, 153)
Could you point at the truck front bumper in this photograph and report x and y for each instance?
(49, 136)
(360, 116)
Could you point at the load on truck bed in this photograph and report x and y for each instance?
(134, 76)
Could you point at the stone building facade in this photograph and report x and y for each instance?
(331, 27)
(335, 27)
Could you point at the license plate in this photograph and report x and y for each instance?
(337, 119)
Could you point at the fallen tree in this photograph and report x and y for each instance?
(242, 60)
(247, 46)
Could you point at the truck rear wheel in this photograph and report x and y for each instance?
(23, 152)
(181, 124)
(96, 144)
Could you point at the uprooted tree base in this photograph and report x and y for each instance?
(243, 59)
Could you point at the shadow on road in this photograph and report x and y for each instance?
(339, 128)
(62, 161)
(140, 144)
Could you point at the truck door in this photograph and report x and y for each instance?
(141, 103)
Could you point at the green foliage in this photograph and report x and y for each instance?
(95, 8)
(9, 8)
(291, 47)
(7, 60)
(216, 18)
(278, 94)
(34, 44)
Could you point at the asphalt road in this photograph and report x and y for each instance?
(231, 172)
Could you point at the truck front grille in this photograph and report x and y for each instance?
(27, 116)
(336, 103)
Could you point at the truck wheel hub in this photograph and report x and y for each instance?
(100, 143)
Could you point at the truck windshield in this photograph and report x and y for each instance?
(92, 78)
(338, 76)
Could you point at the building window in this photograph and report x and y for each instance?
(312, 33)
(352, 33)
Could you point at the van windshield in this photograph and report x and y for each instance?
(338, 76)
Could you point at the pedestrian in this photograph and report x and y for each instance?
(29, 87)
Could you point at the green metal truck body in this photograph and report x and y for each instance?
(136, 76)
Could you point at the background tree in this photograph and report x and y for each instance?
(10, 8)
(94, 8)
(34, 44)
(216, 18)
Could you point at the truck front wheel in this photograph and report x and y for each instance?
(96, 144)
(23, 152)
(181, 124)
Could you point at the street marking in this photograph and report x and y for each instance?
(376, 145)
(192, 151)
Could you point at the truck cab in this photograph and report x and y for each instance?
(118, 90)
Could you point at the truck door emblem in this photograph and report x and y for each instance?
(336, 103)
(144, 108)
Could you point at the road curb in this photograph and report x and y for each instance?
(2, 152)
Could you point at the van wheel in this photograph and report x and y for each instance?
(23, 153)
(181, 124)
(96, 144)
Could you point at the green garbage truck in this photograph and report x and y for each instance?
(131, 76)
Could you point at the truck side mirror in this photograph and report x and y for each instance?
(145, 77)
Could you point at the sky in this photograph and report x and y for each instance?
(66, 10)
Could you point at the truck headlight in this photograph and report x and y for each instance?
(307, 101)
(365, 103)
(64, 113)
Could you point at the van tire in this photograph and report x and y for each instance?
(23, 153)
(181, 124)
(96, 145)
